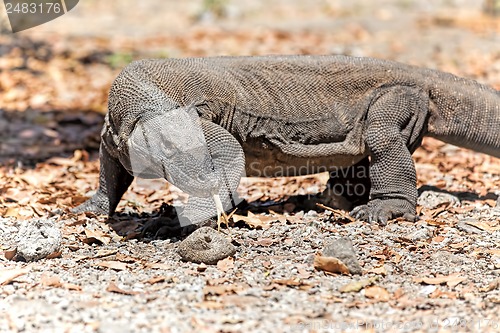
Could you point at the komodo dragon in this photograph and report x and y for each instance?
(202, 123)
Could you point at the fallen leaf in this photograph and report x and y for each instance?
(339, 213)
(443, 294)
(226, 264)
(222, 289)
(94, 235)
(483, 226)
(10, 254)
(356, 286)
(438, 239)
(210, 305)
(12, 212)
(377, 293)
(116, 265)
(254, 221)
(123, 258)
(55, 254)
(451, 280)
(71, 286)
(290, 282)
(330, 264)
(50, 281)
(265, 241)
(8, 275)
(240, 300)
(113, 288)
(157, 279)
(378, 270)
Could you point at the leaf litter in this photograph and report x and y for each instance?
(53, 93)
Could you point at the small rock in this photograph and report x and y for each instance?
(431, 199)
(342, 249)
(205, 245)
(420, 235)
(38, 239)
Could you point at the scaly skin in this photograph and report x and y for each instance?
(296, 115)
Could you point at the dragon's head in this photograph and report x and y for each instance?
(171, 145)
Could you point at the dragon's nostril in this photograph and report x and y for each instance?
(202, 177)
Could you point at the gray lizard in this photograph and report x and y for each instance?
(285, 116)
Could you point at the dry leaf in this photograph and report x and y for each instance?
(356, 286)
(50, 281)
(10, 254)
(113, 288)
(226, 264)
(330, 264)
(116, 265)
(55, 254)
(94, 235)
(71, 286)
(450, 280)
(290, 282)
(254, 221)
(483, 226)
(443, 294)
(378, 270)
(222, 289)
(377, 293)
(8, 275)
(156, 279)
(210, 305)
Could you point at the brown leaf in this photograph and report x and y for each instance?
(356, 286)
(94, 235)
(337, 212)
(483, 226)
(377, 293)
(450, 280)
(330, 264)
(265, 241)
(71, 286)
(378, 270)
(443, 294)
(291, 282)
(113, 288)
(50, 281)
(210, 305)
(222, 289)
(12, 212)
(10, 253)
(226, 264)
(53, 255)
(8, 275)
(157, 279)
(255, 221)
(116, 265)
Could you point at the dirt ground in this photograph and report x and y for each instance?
(440, 274)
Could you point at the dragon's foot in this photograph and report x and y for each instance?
(380, 211)
(97, 204)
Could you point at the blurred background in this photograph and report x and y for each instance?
(54, 78)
